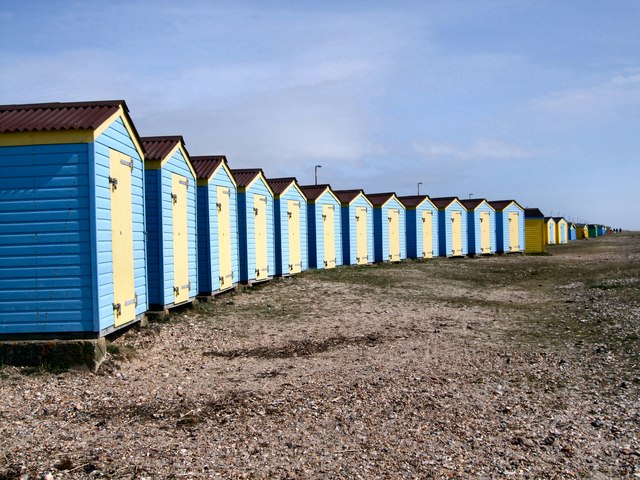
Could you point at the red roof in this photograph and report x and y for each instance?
(206, 165)
(157, 148)
(443, 202)
(502, 204)
(472, 203)
(412, 201)
(47, 117)
(244, 176)
(279, 185)
(347, 196)
(312, 192)
(379, 199)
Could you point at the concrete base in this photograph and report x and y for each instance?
(54, 353)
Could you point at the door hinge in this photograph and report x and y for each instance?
(127, 164)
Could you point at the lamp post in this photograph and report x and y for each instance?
(470, 195)
(419, 183)
(315, 171)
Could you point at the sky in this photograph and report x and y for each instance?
(526, 100)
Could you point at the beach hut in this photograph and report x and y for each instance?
(218, 262)
(534, 231)
(550, 231)
(509, 226)
(389, 227)
(357, 227)
(290, 221)
(72, 248)
(562, 230)
(256, 236)
(481, 227)
(170, 208)
(324, 226)
(593, 230)
(452, 227)
(582, 231)
(421, 226)
(572, 231)
(602, 229)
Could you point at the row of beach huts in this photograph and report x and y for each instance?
(101, 226)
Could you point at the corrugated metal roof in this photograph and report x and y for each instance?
(312, 192)
(46, 117)
(443, 202)
(472, 203)
(502, 204)
(244, 176)
(533, 213)
(157, 148)
(378, 199)
(347, 196)
(205, 165)
(279, 185)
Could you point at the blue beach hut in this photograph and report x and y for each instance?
(324, 226)
(421, 226)
(572, 231)
(509, 226)
(218, 267)
(72, 249)
(170, 207)
(357, 227)
(481, 227)
(389, 227)
(452, 226)
(290, 218)
(256, 236)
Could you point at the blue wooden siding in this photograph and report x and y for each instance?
(246, 231)
(381, 230)
(208, 246)
(414, 238)
(316, 234)
(349, 231)
(444, 229)
(46, 282)
(474, 233)
(117, 137)
(159, 211)
(502, 228)
(572, 233)
(281, 231)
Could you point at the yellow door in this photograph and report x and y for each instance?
(427, 234)
(329, 236)
(181, 285)
(456, 233)
(124, 293)
(362, 250)
(260, 231)
(394, 234)
(485, 232)
(514, 232)
(223, 197)
(293, 213)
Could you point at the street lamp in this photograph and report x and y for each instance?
(470, 195)
(419, 183)
(315, 171)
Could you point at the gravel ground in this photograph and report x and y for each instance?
(508, 366)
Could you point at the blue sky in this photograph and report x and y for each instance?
(537, 101)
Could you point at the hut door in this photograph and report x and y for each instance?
(456, 233)
(293, 213)
(260, 227)
(124, 293)
(563, 238)
(329, 236)
(223, 197)
(394, 234)
(485, 232)
(181, 285)
(514, 241)
(427, 234)
(362, 250)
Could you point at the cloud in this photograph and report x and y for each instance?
(479, 150)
